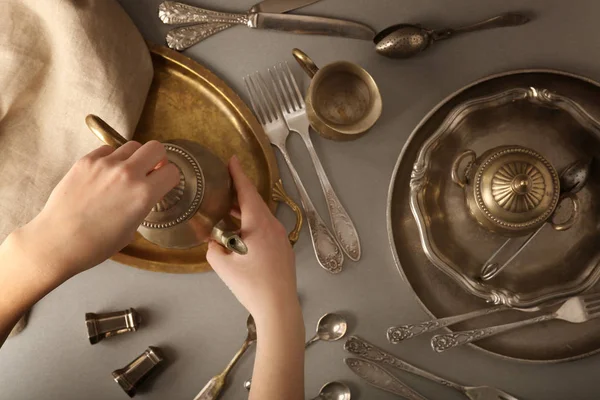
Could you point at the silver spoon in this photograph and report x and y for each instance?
(331, 327)
(213, 388)
(334, 391)
(572, 179)
(405, 40)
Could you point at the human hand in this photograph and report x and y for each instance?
(96, 208)
(264, 280)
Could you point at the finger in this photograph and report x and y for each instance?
(252, 205)
(148, 156)
(235, 213)
(216, 253)
(125, 151)
(100, 152)
(163, 179)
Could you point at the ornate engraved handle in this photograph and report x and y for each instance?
(364, 349)
(397, 334)
(343, 227)
(175, 13)
(504, 20)
(279, 194)
(329, 254)
(186, 36)
(440, 343)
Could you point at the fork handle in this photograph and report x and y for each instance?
(185, 37)
(343, 227)
(174, 13)
(397, 334)
(328, 251)
(440, 343)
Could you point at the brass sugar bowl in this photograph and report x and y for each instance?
(198, 207)
(510, 190)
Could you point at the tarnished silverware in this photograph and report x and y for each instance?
(576, 310)
(397, 334)
(381, 378)
(101, 326)
(328, 251)
(213, 388)
(364, 349)
(405, 40)
(174, 13)
(136, 372)
(186, 36)
(334, 391)
(331, 327)
(293, 108)
(572, 179)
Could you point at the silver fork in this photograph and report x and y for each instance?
(293, 109)
(576, 310)
(328, 251)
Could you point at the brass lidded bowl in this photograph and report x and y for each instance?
(511, 190)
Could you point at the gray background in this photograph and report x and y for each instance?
(197, 320)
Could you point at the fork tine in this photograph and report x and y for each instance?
(591, 297)
(285, 96)
(278, 90)
(290, 91)
(591, 303)
(260, 98)
(268, 98)
(298, 93)
(254, 100)
(593, 313)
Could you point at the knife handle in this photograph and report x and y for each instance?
(186, 36)
(175, 13)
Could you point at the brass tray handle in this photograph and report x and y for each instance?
(280, 195)
(104, 131)
(574, 213)
(456, 164)
(305, 62)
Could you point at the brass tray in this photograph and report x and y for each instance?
(187, 101)
(564, 260)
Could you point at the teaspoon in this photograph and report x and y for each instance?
(334, 391)
(406, 40)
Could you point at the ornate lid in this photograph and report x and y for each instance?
(516, 187)
(183, 200)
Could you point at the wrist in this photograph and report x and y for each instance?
(288, 313)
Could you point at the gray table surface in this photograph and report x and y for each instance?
(195, 318)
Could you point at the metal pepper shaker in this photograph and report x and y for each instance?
(137, 371)
(100, 326)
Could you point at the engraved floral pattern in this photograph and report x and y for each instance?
(187, 36)
(174, 13)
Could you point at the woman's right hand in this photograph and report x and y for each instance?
(264, 280)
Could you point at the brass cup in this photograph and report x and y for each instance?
(343, 100)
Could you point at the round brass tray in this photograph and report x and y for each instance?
(554, 258)
(187, 101)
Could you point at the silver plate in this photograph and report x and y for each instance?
(553, 259)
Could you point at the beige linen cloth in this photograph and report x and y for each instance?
(59, 61)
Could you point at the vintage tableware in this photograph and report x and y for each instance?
(342, 101)
(381, 378)
(187, 101)
(576, 310)
(174, 13)
(554, 264)
(186, 36)
(334, 391)
(194, 210)
(213, 388)
(293, 109)
(328, 252)
(331, 327)
(572, 179)
(139, 370)
(405, 40)
(101, 326)
(361, 348)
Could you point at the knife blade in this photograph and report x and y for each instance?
(310, 25)
(280, 6)
(381, 378)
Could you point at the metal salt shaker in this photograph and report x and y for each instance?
(137, 371)
(100, 326)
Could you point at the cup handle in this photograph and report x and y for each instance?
(305, 62)
(574, 214)
(455, 175)
(280, 195)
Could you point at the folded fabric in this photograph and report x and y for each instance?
(59, 61)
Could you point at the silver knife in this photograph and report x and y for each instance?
(280, 6)
(381, 378)
(174, 13)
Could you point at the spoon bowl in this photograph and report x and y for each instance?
(334, 391)
(331, 327)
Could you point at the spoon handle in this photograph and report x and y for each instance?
(504, 20)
